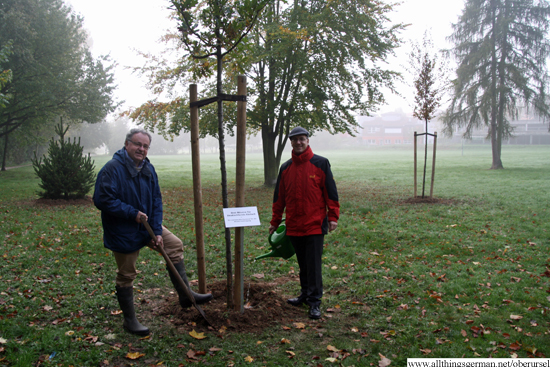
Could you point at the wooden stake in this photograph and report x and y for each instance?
(415, 135)
(197, 189)
(238, 292)
(433, 166)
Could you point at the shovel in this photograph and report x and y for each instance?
(173, 270)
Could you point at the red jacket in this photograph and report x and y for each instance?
(306, 187)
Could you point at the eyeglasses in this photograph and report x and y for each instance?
(142, 146)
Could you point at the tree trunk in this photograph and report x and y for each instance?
(5, 150)
(228, 253)
(271, 164)
(497, 164)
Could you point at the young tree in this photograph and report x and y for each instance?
(501, 47)
(65, 173)
(430, 74)
(210, 31)
(53, 71)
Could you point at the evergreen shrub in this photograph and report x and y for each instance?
(65, 173)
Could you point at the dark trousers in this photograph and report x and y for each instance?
(309, 251)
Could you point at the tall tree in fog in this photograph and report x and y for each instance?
(53, 72)
(501, 48)
(316, 65)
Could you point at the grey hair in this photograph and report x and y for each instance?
(135, 131)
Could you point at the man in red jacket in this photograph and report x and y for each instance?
(306, 188)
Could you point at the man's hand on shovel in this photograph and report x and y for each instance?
(155, 245)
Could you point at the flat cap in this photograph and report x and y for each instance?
(298, 131)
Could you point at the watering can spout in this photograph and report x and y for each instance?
(280, 244)
(269, 254)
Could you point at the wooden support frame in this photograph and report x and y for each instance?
(194, 105)
(416, 135)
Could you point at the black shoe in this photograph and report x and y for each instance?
(298, 301)
(314, 312)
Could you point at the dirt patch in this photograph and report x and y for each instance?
(428, 200)
(265, 306)
(86, 201)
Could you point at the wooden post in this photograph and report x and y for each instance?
(238, 291)
(414, 165)
(433, 166)
(197, 189)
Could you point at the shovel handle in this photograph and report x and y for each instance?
(169, 263)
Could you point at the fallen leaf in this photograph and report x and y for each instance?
(196, 335)
(258, 276)
(515, 346)
(48, 308)
(292, 354)
(249, 359)
(134, 355)
(91, 339)
(516, 317)
(332, 349)
(285, 341)
(354, 330)
(3, 341)
(116, 312)
(286, 328)
(426, 351)
(110, 336)
(69, 333)
(531, 350)
(463, 333)
(214, 349)
(299, 325)
(331, 359)
(383, 361)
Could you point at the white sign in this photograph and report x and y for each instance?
(241, 217)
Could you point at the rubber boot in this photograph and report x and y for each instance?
(125, 297)
(184, 301)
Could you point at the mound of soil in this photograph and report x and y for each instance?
(86, 201)
(264, 306)
(427, 200)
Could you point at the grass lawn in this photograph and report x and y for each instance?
(466, 277)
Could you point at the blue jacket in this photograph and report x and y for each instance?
(120, 192)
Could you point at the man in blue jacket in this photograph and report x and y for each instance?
(126, 189)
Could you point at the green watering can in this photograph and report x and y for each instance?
(280, 244)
